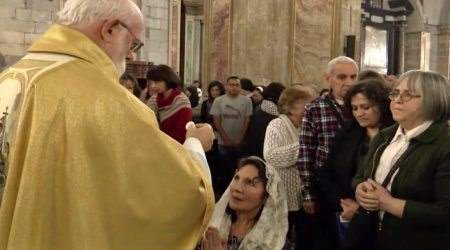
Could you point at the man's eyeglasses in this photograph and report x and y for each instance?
(137, 44)
(404, 97)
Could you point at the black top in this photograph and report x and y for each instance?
(256, 133)
(346, 155)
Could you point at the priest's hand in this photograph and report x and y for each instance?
(204, 133)
(213, 241)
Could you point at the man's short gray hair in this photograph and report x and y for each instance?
(340, 60)
(88, 11)
(435, 91)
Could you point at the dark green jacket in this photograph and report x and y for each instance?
(423, 181)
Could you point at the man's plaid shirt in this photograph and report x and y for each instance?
(319, 126)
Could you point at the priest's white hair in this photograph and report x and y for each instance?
(88, 11)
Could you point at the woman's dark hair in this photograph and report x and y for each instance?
(193, 96)
(261, 167)
(247, 84)
(273, 91)
(213, 84)
(377, 93)
(370, 74)
(129, 77)
(166, 74)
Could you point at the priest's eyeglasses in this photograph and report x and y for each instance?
(404, 97)
(137, 44)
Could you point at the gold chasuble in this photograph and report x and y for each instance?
(88, 167)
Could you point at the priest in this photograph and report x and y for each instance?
(87, 166)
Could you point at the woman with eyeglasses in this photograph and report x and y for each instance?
(252, 213)
(405, 179)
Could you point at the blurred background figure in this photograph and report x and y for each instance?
(257, 96)
(247, 87)
(391, 80)
(192, 93)
(266, 112)
(131, 84)
(215, 89)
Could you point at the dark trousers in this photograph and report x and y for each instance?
(228, 160)
(318, 231)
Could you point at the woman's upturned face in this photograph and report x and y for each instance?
(215, 92)
(367, 114)
(158, 87)
(406, 111)
(247, 190)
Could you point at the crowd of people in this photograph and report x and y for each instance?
(318, 145)
(91, 164)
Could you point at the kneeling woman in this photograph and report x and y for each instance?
(252, 213)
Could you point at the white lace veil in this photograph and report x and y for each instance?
(270, 230)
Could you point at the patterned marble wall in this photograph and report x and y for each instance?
(217, 49)
(276, 40)
(261, 36)
(313, 40)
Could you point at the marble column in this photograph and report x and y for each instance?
(401, 48)
(217, 40)
(412, 50)
(193, 36)
(174, 34)
(443, 55)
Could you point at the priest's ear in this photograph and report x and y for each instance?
(109, 30)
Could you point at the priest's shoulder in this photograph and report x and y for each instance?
(74, 76)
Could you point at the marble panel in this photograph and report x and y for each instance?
(217, 36)
(261, 35)
(412, 51)
(313, 40)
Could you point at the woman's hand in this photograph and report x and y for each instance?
(310, 207)
(349, 208)
(213, 241)
(386, 201)
(366, 197)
